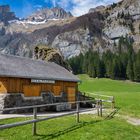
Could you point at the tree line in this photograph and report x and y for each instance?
(124, 64)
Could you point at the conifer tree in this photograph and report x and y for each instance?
(130, 71)
(137, 67)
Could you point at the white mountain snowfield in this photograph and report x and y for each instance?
(23, 22)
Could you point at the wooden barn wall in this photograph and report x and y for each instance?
(16, 85)
(3, 85)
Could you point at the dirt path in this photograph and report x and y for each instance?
(130, 120)
(133, 121)
(46, 114)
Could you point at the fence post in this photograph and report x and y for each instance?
(113, 103)
(97, 107)
(84, 96)
(101, 113)
(77, 108)
(34, 117)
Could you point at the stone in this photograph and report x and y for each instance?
(63, 107)
(18, 100)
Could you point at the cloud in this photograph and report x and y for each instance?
(66, 4)
(27, 9)
(38, 6)
(54, 3)
(79, 7)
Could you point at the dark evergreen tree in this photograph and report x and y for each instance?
(121, 42)
(130, 71)
(118, 16)
(139, 29)
(131, 27)
(137, 67)
(124, 64)
(85, 63)
(124, 60)
(122, 15)
(116, 68)
(107, 59)
(92, 70)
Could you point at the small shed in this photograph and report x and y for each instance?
(25, 81)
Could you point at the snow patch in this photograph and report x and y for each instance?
(27, 22)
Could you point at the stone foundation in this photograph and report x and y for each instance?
(18, 100)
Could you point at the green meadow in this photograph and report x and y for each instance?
(91, 127)
(126, 93)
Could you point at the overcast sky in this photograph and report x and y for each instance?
(23, 8)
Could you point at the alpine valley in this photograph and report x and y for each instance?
(66, 36)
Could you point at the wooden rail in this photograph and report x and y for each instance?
(35, 119)
(98, 97)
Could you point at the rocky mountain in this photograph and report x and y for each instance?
(97, 9)
(46, 53)
(124, 19)
(6, 14)
(100, 30)
(71, 36)
(50, 14)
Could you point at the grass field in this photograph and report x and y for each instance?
(65, 128)
(127, 95)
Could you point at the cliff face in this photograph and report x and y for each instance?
(71, 36)
(97, 9)
(5, 14)
(46, 53)
(48, 14)
(124, 20)
(99, 30)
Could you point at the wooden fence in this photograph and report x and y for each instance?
(100, 97)
(36, 119)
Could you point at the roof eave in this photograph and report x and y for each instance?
(48, 78)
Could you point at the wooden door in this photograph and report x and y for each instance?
(31, 90)
(71, 91)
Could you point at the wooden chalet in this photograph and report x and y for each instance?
(31, 78)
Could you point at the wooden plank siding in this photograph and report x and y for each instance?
(21, 85)
(31, 90)
(57, 90)
(71, 91)
(3, 85)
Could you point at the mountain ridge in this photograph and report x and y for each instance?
(55, 13)
(98, 30)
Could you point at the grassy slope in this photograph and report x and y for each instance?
(127, 97)
(66, 129)
(127, 94)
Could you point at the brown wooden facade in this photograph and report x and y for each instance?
(29, 89)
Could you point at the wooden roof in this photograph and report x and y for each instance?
(14, 66)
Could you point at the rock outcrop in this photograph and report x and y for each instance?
(5, 14)
(71, 38)
(46, 53)
(50, 14)
(97, 9)
(123, 20)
